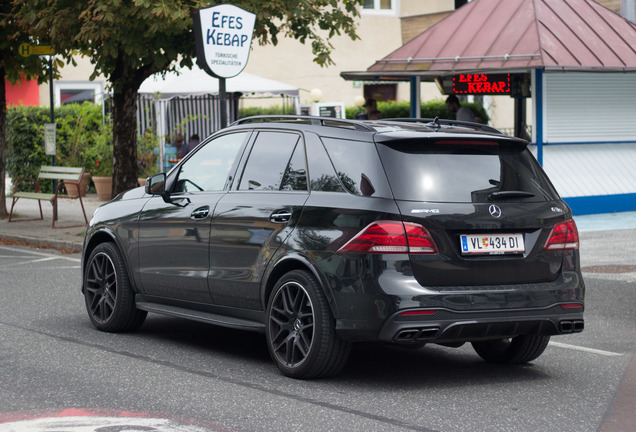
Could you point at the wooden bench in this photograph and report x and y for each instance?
(66, 176)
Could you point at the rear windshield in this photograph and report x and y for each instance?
(464, 173)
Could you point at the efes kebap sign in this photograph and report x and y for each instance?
(223, 37)
(481, 84)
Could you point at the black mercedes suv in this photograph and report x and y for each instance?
(321, 233)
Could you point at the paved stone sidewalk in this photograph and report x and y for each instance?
(39, 232)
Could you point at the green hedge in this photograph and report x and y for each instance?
(257, 111)
(391, 109)
(25, 139)
(430, 109)
(80, 128)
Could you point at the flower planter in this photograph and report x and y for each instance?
(71, 191)
(104, 187)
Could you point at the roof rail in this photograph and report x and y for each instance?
(437, 122)
(313, 120)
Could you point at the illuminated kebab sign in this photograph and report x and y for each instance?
(481, 84)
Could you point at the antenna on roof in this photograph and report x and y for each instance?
(435, 124)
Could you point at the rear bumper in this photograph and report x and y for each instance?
(371, 305)
(446, 326)
(471, 313)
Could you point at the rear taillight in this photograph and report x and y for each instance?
(385, 237)
(563, 236)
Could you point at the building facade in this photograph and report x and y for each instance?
(383, 26)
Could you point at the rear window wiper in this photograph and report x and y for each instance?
(510, 194)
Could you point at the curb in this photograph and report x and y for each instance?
(37, 242)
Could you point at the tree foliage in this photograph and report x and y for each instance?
(129, 40)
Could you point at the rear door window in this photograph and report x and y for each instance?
(463, 172)
(322, 175)
(276, 162)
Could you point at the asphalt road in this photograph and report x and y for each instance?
(196, 377)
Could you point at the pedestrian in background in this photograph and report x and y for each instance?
(192, 143)
(370, 106)
(462, 113)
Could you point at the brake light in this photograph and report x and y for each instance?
(468, 142)
(419, 239)
(563, 236)
(392, 237)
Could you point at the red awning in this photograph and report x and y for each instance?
(509, 35)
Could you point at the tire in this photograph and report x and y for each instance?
(518, 350)
(109, 298)
(300, 329)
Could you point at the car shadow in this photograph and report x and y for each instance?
(371, 365)
(201, 336)
(432, 366)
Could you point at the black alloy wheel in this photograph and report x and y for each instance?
(109, 298)
(300, 332)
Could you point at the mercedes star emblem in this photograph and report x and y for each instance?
(494, 211)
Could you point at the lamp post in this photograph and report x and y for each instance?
(315, 95)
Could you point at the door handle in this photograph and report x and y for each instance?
(280, 216)
(200, 213)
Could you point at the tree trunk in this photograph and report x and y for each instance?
(124, 139)
(3, 143)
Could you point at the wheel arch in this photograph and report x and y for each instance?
(290, 263)
(105, 235)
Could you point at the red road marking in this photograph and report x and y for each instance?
(95, 420)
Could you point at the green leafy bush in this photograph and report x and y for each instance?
(99, 155)
(273, 110)
(25, 137)
(389, 109)
(429, 109)
(80, 128)
(83, 139)
(146, 155)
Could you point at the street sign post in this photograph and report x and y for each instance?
(26, 50)
(50, 142)
(223, 35)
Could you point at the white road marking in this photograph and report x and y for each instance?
(93, 424)
(584, 349)
(44, 255)
(51, 258)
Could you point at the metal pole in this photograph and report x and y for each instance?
(223, 100)
(416, 99)
(628, 10)
(52, 114)
(538, 91)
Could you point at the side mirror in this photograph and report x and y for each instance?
(156, 184)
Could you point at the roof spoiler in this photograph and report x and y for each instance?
(437, 123)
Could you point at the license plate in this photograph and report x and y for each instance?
(473, 244)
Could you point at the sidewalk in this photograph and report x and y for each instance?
(38, 233)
